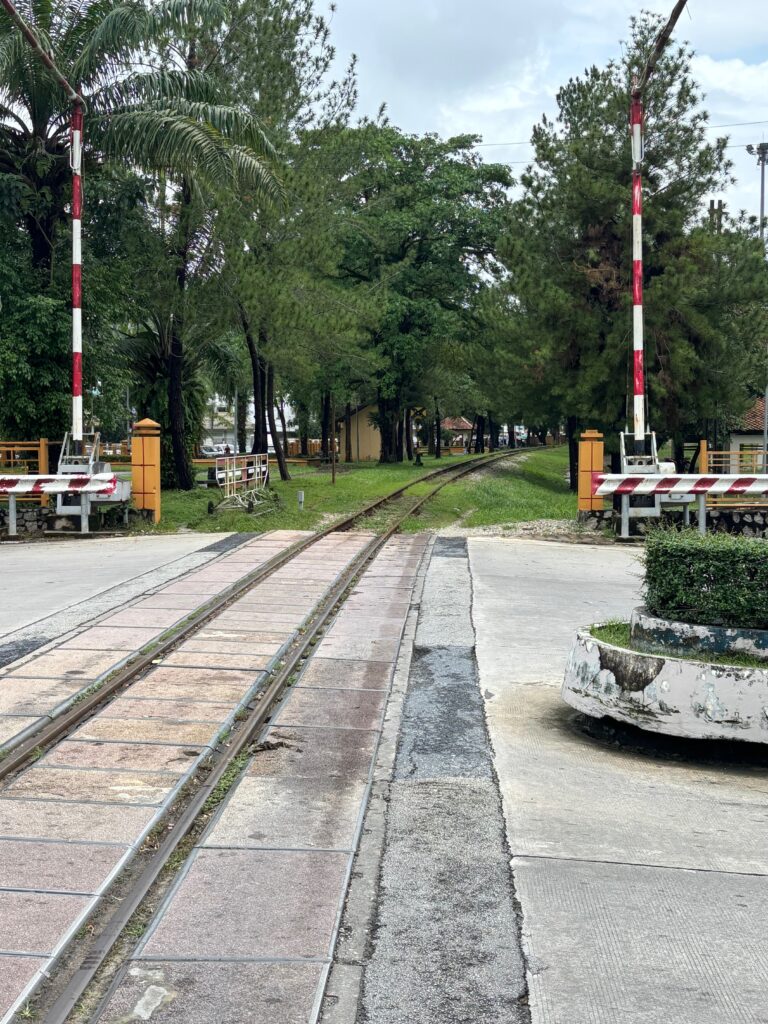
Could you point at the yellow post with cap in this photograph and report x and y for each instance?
(145, 467)
(591, 460)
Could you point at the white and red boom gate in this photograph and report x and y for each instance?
(12, 487)
(673, 489)
(636, 118)
(241, 472)
(607, 484)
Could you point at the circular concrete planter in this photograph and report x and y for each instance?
(667, 694)
(659, 636)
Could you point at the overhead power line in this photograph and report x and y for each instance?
(709, 127)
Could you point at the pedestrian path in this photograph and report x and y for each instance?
(43, 685)
(73, 820)
(247, 934)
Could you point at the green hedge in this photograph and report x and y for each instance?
(717, 580)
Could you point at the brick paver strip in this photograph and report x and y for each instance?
(269, 879)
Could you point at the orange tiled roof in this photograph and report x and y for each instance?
(752, 422)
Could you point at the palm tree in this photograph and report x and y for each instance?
(146, 75)
(150, 104)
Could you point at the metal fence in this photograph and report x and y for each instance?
(748, 460)
(26, 458)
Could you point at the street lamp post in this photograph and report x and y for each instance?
(761, 152)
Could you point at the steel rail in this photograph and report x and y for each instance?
(246, 734)
(64, 723)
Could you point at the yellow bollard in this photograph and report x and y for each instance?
(145, 467)
(591, 460)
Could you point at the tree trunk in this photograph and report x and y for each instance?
(430, 428)
(302, 418)
(283, 425)
(438, 435)
(678, 450)
(325, 426)
(399, 438)
(493, 434)
(242, 413)
(480, 435)
(182, 467)
(348, 433)
(571, 429)
(257, 372)
(408, 435)
(388, 417)
(184, 478)
(270, 397)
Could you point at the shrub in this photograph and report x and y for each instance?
(714, 580)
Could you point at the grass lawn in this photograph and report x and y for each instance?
(510, 492)
(356, 486)
(502, 494)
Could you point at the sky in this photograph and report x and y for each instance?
(493, 67)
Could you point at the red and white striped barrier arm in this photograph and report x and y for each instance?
(76, 157)
(638, 370)
(99, 483)
(605, 484)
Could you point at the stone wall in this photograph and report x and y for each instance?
(743, 521)
(30, 519)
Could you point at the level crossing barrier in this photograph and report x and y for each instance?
(13, 487)
(677, 487)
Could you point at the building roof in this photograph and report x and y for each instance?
(753, 420)
(456, 423)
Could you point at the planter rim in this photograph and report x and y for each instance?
(585, 633)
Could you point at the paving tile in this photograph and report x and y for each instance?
(242, 662)
(289, 812)
(68, 867)
(368, 626)
(123, 756)
(144, 617)
(340, 673)
(351, 709)
(313, 753)
(218, 911)
(181, 602)
(32, 922)
(360, 648)
(113, 638)
(215, 632)
(243, 646)
(258, 623)
(12, 725)
(81, 665)
(16, 972)
(109, 787)
(36, 819)
(182, 710)
(193, 588)
(148, 730)
(36, 696)
(215, 993)
(198, 684)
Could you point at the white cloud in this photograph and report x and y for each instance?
(493, 67)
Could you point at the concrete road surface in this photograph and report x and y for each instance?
(642, 881)
(49, 588)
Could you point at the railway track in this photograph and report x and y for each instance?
(209, 764)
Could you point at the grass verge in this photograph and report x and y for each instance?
(513, 491)
(617, 633)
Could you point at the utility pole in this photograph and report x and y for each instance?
(761, 152)
(75, 161)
